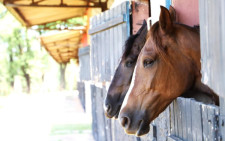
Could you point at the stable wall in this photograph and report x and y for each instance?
(187, 11)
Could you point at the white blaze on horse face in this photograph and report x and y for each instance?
(129, 90)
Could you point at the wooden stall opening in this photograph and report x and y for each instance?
(140, 12)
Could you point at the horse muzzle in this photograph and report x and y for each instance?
(136, 125)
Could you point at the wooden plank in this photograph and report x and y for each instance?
(101, 53)
(100, 116)
(94, 116)
(174, 138)
(121, 42)
(189, 119)
(179, 117)
(161, 123)
(107, 25)
(205, 123)
(183, 119)
(115, 30)
(175, 117)
(107, 52)
(172, 119)
(111, 46)
(196, 120)
(167, 121)
(211, 129)
(222, 118)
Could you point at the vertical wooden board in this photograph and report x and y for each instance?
(92, 52)
(124, 34)
(179, 117)
(107, 120)
(189, 119)
(115, 47)
(100, 55)
(96, 57)
(172, 119)
(222, 117)
(161, 123)
(94, 116)
(183, 118)
(175, 117)
(124, 7)
(211, 127)
(217, 122)
(111, 47)
(115, 30)
(103, 49)
(120, 40)
(168, 125)
(196, 120)
(103, 56)
(120, 134)
(205, 122)
(107, 56)
(100, 116)
(222, 91)
(98, 19)
(204, 33)
(107, 50)
(92, 56)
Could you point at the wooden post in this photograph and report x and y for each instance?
(140, 11)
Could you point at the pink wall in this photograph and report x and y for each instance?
(187, 11)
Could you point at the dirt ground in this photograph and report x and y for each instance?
(54, 116)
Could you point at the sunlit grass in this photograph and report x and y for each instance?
(62, 129)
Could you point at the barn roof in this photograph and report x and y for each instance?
(63, 46)
(39, 12)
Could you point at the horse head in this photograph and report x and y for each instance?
(123, 74)
(167, 66)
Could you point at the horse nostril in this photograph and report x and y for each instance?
(125, 121)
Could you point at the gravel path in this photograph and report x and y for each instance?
(31, 117)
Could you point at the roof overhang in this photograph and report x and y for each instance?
(39, 12)
(63, 46)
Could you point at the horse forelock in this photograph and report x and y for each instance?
(128, 45)
(157, 40)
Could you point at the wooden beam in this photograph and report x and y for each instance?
(51, 6)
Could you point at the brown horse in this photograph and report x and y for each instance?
(168, 66)
(122, 77)
(123, 74)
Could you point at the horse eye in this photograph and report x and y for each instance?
(148, 63)
(129, 64)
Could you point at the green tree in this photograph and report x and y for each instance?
(19, 55)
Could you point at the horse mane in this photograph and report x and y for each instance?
(159, 48)
(128, 45)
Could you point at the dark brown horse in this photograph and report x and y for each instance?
(168, 66)
(122, 77)
(123, 74)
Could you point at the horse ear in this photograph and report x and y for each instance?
(165, 21)
(143, 27)
(173, 14)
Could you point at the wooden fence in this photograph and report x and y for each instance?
(108, 31)
(212, 25)
(184, 119)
